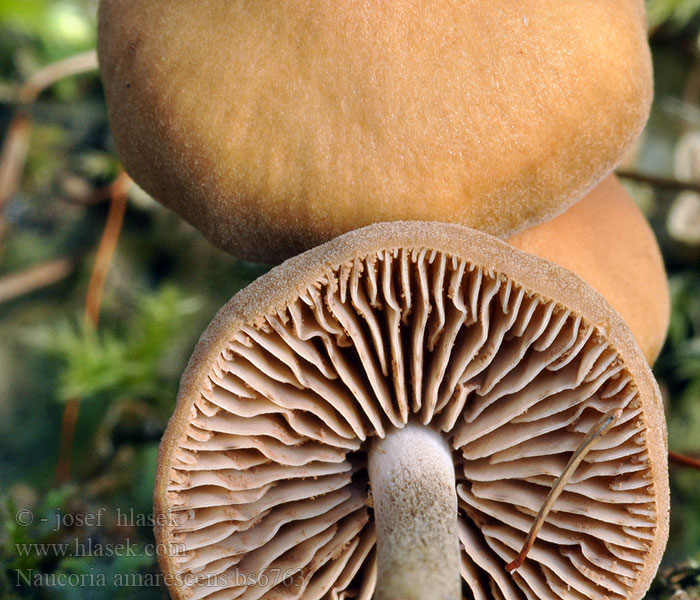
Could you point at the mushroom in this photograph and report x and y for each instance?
(273, 127)
(606, 240)
(393, 412)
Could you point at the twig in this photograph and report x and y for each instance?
(77, 190)
(33, 278)
(13, 154)
(606, 422)
(658, 181)
(13, 157)
(106, 248)
(50, 74)
(65, 448)
(683, 460)
(93, 301)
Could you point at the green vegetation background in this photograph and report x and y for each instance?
(166, 283)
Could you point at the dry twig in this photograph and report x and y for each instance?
(13, 154)
(93, 302)
(658, 181)
(683, 460)
(33, 278)
(606, 422)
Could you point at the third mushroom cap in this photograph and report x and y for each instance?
(606, 240)
(392, 412)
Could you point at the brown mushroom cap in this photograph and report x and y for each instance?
(263, 468)
(606, 240)
(273, 127)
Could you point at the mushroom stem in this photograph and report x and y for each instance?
(599, 429)
(415, 510)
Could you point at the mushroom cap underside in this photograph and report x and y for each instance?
(262, 484)
(274, 127)
(606, 240)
